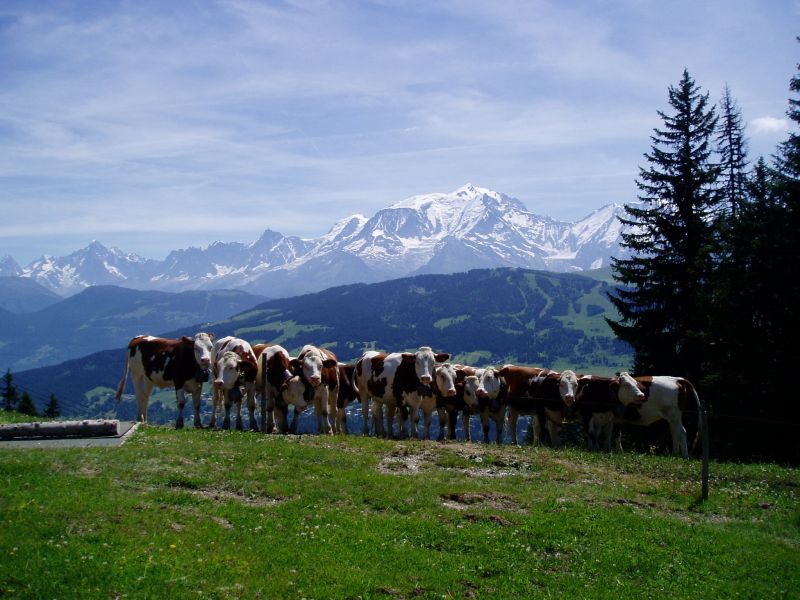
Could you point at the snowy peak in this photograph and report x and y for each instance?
(432, 233)
(9, 267)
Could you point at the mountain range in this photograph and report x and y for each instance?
(469, 228)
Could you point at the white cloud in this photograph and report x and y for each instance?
(768, 125)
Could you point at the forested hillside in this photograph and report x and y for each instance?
(482, 317)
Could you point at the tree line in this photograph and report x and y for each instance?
(711, 289)
(12, 400)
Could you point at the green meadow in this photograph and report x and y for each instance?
(206, 514)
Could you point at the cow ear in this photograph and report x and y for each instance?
(441, 357)
(502, 372)
(329, 363)
(211, 336)
(409, 357)
(296, 363)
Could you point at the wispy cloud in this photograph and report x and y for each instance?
(202, 120)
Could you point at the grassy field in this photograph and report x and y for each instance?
(194, 514)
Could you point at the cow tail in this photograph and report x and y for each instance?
(700, 433)
(124, 380)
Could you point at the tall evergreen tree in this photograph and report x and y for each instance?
(26, 405)
(732, 148)
(9, 393)
(52, 409)
(663, 297)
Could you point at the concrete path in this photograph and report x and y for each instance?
(126, 429)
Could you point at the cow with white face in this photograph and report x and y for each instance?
(489, 391)
(180, 363)
(399, 381)
(318, 369)
(636, 401)
(451, 398)
(234, 365)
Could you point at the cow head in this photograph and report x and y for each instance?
(471, 383)
(629, 391)
(568, 387)
(228, 370)
(445, 375)
(424, 361)
(294, 393)
(310, 364)
(203, 342)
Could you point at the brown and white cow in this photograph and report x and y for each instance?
(451, 398)
(489, 390)
(399, 381)
(544, 394)
(165, 362)
(274, 374)
(637, 401)
(318, 369)
(234, 364)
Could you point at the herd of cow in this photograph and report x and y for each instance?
(402, 383)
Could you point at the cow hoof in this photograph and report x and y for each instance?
(179, 425)
(239, 426)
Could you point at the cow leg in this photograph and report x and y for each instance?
(391, 410)
(485, 427)
(513, 417)
(465, 419)
(180, 397)
(498, 426)
(452, 419)
(553, 420)
(250, 389)
(197, 394)
(142, 389)
(678, 437)
(226, 422)
(427, 413)
(377, 419)
(536, 428)
(441, 414)
(414, 418)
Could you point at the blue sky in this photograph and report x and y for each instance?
(152, 125)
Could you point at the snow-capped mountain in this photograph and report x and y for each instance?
(469, 228)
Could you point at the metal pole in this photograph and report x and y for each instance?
(706, 444)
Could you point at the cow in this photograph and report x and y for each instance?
(544, 394)
(164, 362)
(234, 364)
(637, 401)
(489, 390)
(274, 375)
(399, 380)
(451, 398)
(347, 394)
(318, 369)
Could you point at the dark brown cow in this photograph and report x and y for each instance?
(347, 394)
(545, 394)
(164, 362)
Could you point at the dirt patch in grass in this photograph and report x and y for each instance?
(405, 461)
(222, 495)
(464, 500)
